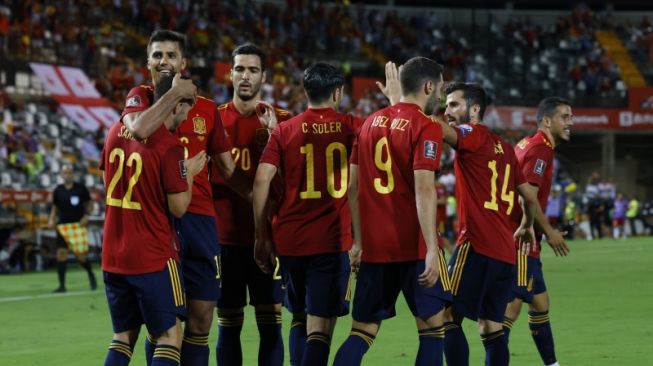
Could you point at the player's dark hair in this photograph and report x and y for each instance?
(250, 49)
(547, 107)
(162, 87)
(320, 80)
(163, 35)
(473, 93)
(416, 72)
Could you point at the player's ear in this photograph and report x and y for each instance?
(264, 76)
(428, 87)
(184, 63)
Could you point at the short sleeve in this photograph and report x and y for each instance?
(353, 158)
(519, 175)
(273, 150)
(535, 164)
(218, 140)
(86, 196)
(427, 146)
(137, 100)
(173, 170)
(469, 137)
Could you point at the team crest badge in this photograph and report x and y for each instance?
(261, 137)
(134, 101)
(199, 125)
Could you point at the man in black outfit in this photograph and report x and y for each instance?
(71, 203)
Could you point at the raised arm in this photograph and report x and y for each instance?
(143, 124)
(178, 202)
(449, 134)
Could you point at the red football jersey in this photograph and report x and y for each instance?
(201, 130)
(487, 174)
(138, 235)
(441, 211)
(392, 144)
(535, 156)
(311, 151)
(234, 215)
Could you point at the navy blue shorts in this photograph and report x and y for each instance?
(481, 286)
(378, 286)
(317, 284)
(200, 253)
(155, 299)
(529, 280)
(239, 272)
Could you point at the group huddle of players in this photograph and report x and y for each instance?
(205, 203)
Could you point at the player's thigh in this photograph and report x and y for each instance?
(468, 275)
(377, 288)
(423, 302)
(264, 288)
(200, 257)
(498, 290)
(161, 297)
(234, 268)
(294, 278)
(328, 285)
(124, 306)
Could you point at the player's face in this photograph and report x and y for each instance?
(561, 123)
(164, 58)
(457, 110)
(434, 98)
(247, 76)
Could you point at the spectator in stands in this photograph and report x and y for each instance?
(554, 206)
(71, 203)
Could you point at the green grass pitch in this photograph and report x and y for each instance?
(600, 298)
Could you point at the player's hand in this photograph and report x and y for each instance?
(431, 273)
(266, 114)
(557, 242)
(525, 236)
(195, 164)
(355, 254)
(185, 87)
(392, 87)
(263, 254)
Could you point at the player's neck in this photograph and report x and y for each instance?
(412, 100)
(549, 137)
(325, 105)
(245, 107)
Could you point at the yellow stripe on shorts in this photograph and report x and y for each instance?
(458, 267)
(444, 275)
(522, 268)
(177, 290)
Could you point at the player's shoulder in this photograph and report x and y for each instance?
(283, 113)
(204, 105)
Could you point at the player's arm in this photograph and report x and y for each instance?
(425, 198)
(449, 134)
(263, 251)
(178, 202)
(524, 233)
(143, 124)
(87, 213)
(554, 237)
(233, 176)
(352, 198)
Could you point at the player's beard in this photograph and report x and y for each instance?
(255, 89)
(464, 119)
(431, 104)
